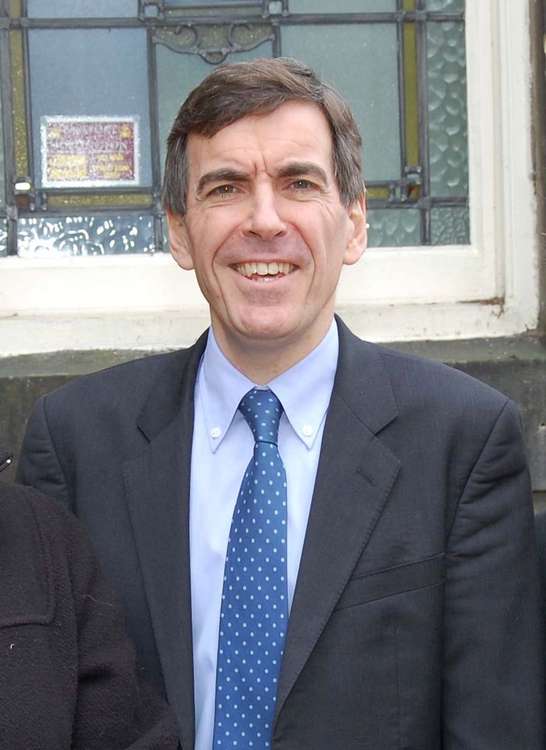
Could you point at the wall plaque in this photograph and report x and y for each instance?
(89, 152)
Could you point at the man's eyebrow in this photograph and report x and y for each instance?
(224, 174)
(300, 168)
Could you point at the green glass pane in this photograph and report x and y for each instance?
(81, 8)
(450, 226)
(447, 109)
(342, 6)
(67, 236)
(361, 61)
(179, 73)
(394, 227)
(91, 73)
(446, 6)
(3, 238)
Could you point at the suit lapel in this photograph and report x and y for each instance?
(158, 485)
(355, 476)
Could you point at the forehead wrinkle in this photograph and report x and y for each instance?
(298, 168)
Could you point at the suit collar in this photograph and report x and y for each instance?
(157, 484)
(362, 381)
(172, 391)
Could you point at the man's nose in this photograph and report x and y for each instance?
(264, 220)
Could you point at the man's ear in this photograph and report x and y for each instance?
(358, 231)
(179, 241)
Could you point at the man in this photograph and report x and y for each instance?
(378, 504)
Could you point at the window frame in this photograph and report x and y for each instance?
(487, 288)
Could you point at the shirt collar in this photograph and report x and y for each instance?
(304, 390)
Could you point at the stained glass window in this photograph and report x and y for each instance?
(95, 84)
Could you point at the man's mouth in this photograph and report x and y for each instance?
(264, 270)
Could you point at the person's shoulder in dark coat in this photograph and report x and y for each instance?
(68, 677)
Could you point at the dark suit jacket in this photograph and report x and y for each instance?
(415, 622)
(67, 669)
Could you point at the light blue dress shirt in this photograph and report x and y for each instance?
(222, 447)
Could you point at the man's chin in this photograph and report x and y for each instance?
(265, 329)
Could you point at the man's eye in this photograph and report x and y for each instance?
(302, 184)
(223, 190)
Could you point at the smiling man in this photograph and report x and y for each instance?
(322, 544)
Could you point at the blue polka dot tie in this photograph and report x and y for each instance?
(254, 610)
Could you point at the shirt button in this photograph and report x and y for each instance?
(215, 432)
(307, 430)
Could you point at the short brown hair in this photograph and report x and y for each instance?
(235, 90)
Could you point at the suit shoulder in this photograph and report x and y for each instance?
(418, 382)
(415, 378)
(125, 385)
(437, 380)
(143, 369)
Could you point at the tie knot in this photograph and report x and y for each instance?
(262, 411)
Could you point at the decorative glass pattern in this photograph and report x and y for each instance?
(394, 227)
(3, 237)
(66, 236)
(373, 93)
(446, 83)
(93, 73)
(214, 42)
(450, 226)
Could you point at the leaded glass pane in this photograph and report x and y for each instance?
(369, 81)
(342, 6)
(450, 226)
(81, 8)
(67, 236)
(178, 74)
(447, 6)
(94, 74)
(3, 237)
(446, 82)
(394, 227)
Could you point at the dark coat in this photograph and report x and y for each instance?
(416, 619)
(67, 669)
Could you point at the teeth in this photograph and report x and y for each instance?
(264, 269)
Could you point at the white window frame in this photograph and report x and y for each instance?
(488, 288)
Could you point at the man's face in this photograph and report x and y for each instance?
(265, 229)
